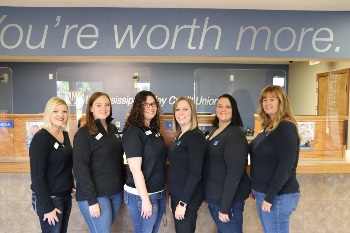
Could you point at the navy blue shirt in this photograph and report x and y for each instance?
(274, 158)
(186, 156)
(224, 172)
(51, 165)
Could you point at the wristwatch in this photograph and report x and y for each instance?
(183, 204)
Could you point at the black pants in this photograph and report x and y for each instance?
(187, 225)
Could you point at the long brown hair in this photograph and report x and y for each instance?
(284, 111)
(136, 116)
(90, 120)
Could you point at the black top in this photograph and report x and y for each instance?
(274, 158)
(150, 145)
(186, 156)
(224, 172)
(51, 165)
(98, 162)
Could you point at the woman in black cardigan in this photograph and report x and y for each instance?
(51, 168)
(226, 181)
(185, 166)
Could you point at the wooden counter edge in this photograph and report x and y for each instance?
(324, 168)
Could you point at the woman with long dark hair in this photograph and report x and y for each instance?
(226, 181)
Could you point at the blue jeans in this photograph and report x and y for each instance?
(64, 204)
(277, 220)
(235, 214)
(109, 207)
(143, 225)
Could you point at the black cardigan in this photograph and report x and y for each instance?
(274, 159)
(224, 172)
(50, 167)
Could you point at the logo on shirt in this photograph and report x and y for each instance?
(215, 143)
(178, 143)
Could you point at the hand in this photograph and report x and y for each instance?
(95, 211)
(224, 217)
(52, 216)
(266, 206)
(171, 210)
(252, 196)
(73, 194)
(180, 212)
(146, 210)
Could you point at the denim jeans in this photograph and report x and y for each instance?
(277, 220)
(64, 204)
(235, 214)
(134, 204)
(109, 207)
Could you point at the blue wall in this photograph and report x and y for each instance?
(32, 87)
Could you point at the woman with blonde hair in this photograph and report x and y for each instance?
(185, 166)
(274, 157)
(51, 165)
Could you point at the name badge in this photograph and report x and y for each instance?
(56, 145)
(99, 136)
(148, 132)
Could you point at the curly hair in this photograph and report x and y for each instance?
(136, 116)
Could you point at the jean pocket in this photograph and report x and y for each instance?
(126, 198)
(34, 203)
(295, 199)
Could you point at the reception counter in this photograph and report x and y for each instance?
(323, 207)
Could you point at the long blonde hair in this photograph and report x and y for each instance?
(50, 106)
(194, 121)
(284, 111)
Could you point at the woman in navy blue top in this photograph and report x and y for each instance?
(185, 166)
(51, 165)
(226, 181)
(274, 157)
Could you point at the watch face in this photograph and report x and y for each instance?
(182, 204)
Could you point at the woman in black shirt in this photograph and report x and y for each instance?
(98, 165)
(51, 168)
(226, 181)
(274, 157)
(185, 166)
(145, 150)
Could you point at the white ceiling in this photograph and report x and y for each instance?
(312, 5)
(309, 5)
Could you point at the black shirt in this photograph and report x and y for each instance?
(98, 162)
(150, 145)
(51, 165)
(274, 158)
(224, 172)
(185, 165)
